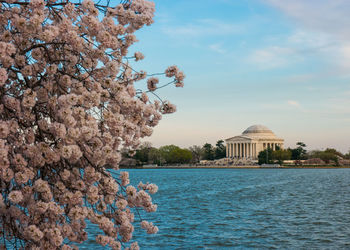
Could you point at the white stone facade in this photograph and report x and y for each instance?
(251, 142)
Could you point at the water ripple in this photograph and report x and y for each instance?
(248, 209)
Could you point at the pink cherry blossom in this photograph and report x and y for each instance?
(16, 196)
(152, 83)
(70, 103)
(3, 76)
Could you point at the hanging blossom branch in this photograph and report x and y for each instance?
(68, 107)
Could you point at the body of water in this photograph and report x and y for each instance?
(248, 208)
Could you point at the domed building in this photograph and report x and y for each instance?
(251, 142)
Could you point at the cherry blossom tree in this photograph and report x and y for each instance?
(68, 106)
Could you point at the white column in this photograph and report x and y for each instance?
(255, 153)
(247, 150)
(227, 150)
(231, 150)
(240, 150)
(250, 150)
(253, 150)
(243, 150)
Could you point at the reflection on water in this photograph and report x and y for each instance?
(247, 208)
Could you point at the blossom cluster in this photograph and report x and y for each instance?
(68, 107)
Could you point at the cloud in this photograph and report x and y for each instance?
(293, 103)
(217, 47)
(323, 30)
(202, 27)
(272, 57)
(327, 16)
(326, 47)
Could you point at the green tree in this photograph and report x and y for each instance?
(141, 154)
(197, 152)
(220, 150)
(299, 153)
(281, 155)
(167, 153)
(208, 152)
(181, 156)
(327, 155)
(334, 152)
(173, 154)
(265, 156)
(155, 156)
(347, 155)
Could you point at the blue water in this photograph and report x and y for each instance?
(248, 208)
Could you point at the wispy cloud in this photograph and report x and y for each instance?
(293, 103)
(217, 47)
(327, 16)
(323, 29)
(272, 57)
(202, 27)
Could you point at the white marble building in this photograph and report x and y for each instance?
(254, 139)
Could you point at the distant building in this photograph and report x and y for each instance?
(251, 142)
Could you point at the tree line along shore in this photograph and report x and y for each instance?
(210, 155)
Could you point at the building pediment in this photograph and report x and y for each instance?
(240, 138)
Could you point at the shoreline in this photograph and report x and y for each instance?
(235, 167)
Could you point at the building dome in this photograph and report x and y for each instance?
(258, 129)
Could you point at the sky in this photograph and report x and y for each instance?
(284, 64)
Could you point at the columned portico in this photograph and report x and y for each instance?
(241, 150)
(253, 140)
